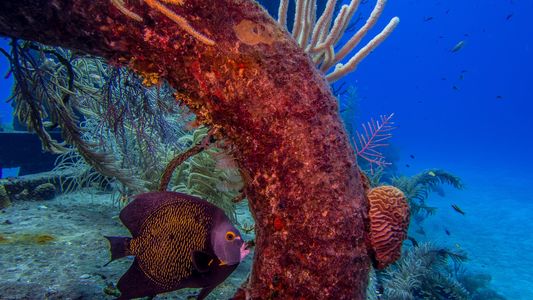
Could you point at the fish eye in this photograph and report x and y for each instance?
(230, 236)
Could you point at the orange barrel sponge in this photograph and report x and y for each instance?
(389, 219)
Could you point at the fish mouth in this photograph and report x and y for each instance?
(244, 251)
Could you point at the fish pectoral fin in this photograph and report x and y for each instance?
(202, 261)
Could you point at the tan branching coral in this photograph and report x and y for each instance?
(182, 22)
(121, 6)
(389, 219)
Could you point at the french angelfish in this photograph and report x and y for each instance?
(178, 241)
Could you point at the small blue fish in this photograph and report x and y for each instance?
(458, 46)
(458, 209)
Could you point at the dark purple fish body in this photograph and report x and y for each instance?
(178, 241)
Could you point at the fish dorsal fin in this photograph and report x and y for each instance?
(202, 261)
(144, 205)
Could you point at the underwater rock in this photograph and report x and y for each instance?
(45, 191)
(19, 188)
(4, 198)
(389, 220)
(22, 195)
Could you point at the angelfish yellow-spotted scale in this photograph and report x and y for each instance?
(179, 241)
(163, 247)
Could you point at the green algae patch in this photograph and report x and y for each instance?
(42, 239)
(27, 239)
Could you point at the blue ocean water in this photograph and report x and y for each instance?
(6, 82)
(468, 112)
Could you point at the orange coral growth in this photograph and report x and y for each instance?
(389, 219)
(150, 79)
(203, 115)
(147, 70)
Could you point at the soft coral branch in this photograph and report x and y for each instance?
(374, 136)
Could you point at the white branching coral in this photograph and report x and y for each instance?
(319, 37)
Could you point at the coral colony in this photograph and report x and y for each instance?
(265, 93)
(194, 118)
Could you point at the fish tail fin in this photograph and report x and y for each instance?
(120, 247)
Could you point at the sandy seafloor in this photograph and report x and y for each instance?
(497, 229)
(496, 232)
(71, 266)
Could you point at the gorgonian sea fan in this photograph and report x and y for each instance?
(373, 136)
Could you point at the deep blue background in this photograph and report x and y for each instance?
(413, 74)
(5, 86)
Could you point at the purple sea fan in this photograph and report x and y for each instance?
(374, 136)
